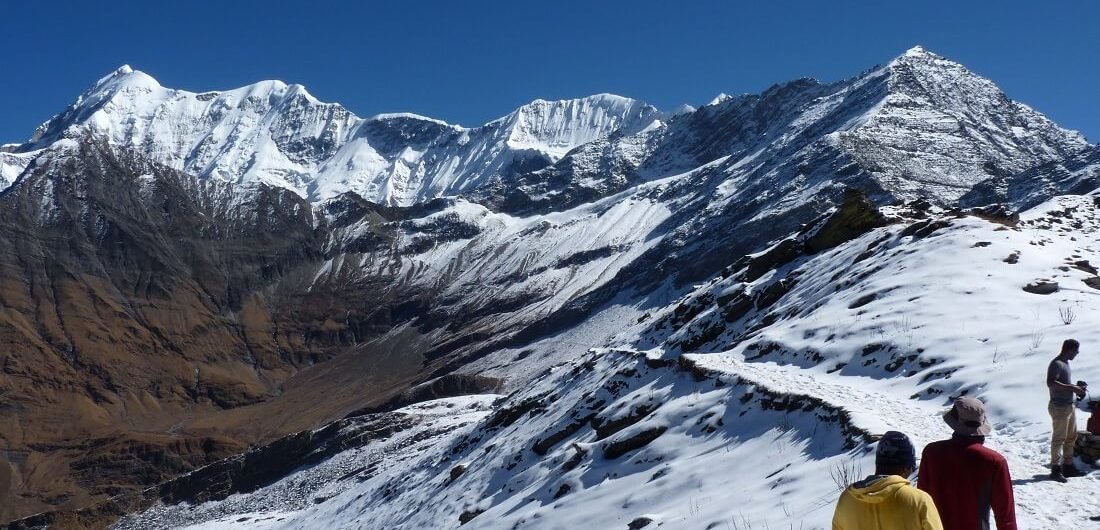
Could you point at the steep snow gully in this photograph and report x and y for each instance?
(699, 319)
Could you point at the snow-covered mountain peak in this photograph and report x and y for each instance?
(930, 127)
(605, 100)
(555, 127)
(933, 79)
(124, 74)
(130, 107)
(122, 82)
(682, 108)
(925, 62)
(122, 79)
(719, 99)
(399, 116)
(916, 51)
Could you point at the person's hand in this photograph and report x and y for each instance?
(1079, 391)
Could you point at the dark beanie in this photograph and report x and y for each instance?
(894, 450)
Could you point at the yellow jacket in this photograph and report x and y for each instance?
(885, 503)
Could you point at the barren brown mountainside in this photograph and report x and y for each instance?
(151, 323)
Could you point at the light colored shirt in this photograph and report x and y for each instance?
(1059, 371)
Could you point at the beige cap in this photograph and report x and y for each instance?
(967, 417)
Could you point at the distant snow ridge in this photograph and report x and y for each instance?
(921, 126)
(279, 134)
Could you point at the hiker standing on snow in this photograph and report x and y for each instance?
(885, 500)
(1062, 416)
(965, 478)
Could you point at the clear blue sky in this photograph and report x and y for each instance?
(471, 61)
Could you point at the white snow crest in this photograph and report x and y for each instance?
(279, 134)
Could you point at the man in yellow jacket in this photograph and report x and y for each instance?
(886, 500)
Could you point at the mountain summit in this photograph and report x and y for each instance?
(938, 129)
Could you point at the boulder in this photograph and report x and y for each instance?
(856, 216)
(772, 293)
(618, 448)
(1041, 287)
(735, 305)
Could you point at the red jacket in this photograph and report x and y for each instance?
(967, 480)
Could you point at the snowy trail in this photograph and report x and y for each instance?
(1040, 503)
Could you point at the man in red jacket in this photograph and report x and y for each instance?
(966, 479)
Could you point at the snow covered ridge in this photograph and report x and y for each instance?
(921, 126)
(754, 425)
(614, 427)
(280, 135)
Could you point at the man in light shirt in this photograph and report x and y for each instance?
(1063, 395)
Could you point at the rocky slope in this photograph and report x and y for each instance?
(1079, 173)
(187, 277)
(122, 317)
